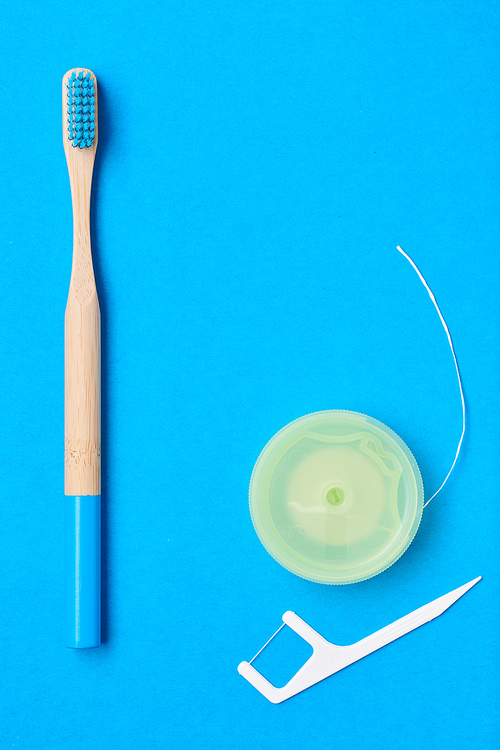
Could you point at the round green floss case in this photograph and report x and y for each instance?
(336, 497)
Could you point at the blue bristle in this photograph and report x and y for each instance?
(81, 109)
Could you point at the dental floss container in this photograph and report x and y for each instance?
(336, 496)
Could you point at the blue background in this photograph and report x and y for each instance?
(258, 162)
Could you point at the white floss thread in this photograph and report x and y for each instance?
(456, 367)
(266, 643)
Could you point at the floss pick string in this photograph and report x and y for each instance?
(456, 367)
(266, 643)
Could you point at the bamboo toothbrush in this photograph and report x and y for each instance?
(82, 377)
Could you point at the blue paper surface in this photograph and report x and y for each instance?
(258, 163)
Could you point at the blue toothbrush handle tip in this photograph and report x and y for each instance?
(82, 578)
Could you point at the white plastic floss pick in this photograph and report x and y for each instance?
(328, 658)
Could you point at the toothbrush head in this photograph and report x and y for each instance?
(81, 108)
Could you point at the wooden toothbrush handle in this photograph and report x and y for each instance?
(82, 392)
